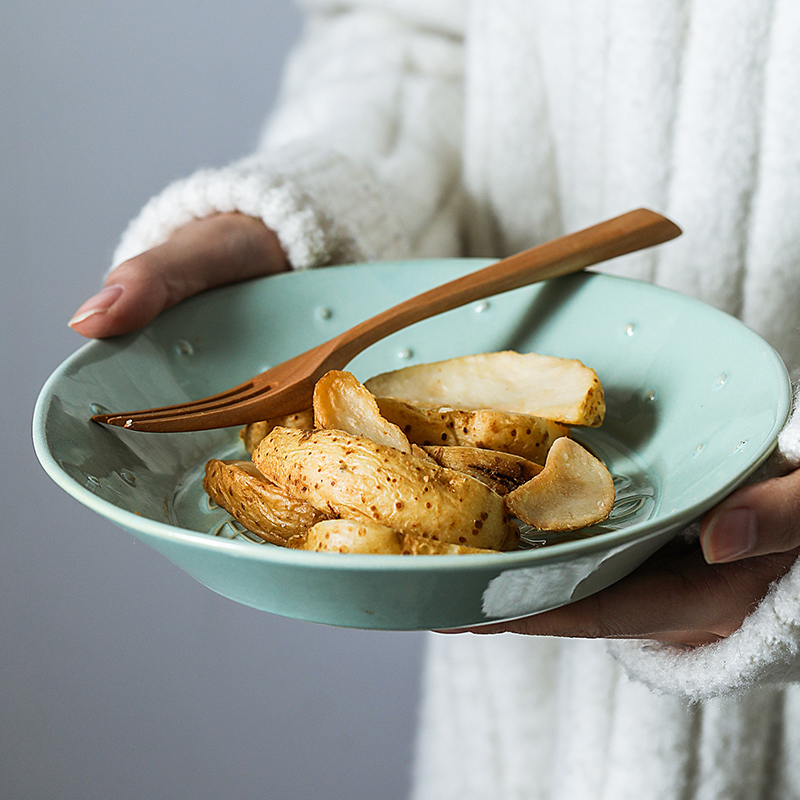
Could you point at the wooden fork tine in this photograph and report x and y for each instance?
(174, 419)
(213, 403)
(251, 401)
(134, 420)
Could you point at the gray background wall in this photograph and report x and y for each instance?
(120, 677)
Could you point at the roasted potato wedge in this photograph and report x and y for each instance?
(520, 434)
(573, 490)
(349, 476)
(351, 536)
(420, 546)
(559, 389)
(372, 538)
(501, 472)
(253, 433)
(429, 459)
(260, 505)
(341, 402)
(420, 452)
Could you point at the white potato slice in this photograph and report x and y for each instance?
(253, 433)
(502, 472)
(420, 546)
(372, 538)
(559, 389)
(352, 536)
(520, 434)
(573, 490)
(260, 505)
(420, 452)
(341, 402)
(349, 476)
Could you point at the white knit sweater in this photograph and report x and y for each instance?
(444, 127)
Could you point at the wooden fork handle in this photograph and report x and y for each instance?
(618, 236)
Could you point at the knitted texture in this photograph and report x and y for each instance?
(415, 128)
(310, 232)
(764, 651)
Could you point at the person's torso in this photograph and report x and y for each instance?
(582, 109)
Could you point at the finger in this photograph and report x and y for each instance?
(683, 600)
(755, 520)
(203, 254)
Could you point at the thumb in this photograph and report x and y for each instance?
(200, 255)
(759, 519)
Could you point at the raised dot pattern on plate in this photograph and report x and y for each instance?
(183, 348)
(128, 477)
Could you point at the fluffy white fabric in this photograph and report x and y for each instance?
(408, 127)
(275, 188)
(765, 651)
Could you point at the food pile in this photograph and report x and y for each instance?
(437, 458)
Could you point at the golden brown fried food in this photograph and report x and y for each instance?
(520, 434)
(349, 476)
(372, 538)
(253, 433)
(260, 505)
(341, 402)
(429, 459)
(559, 389)
(351, 536)
(502, 472)
(573, 490)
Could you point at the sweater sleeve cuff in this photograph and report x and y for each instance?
(324, 208)
(765, 651)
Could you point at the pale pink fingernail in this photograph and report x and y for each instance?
(730, 535)
(98, 304)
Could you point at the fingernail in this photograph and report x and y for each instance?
(98, 304)
(730, 535)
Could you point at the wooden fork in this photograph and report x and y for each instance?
(289, 387)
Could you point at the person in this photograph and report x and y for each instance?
(407, 128)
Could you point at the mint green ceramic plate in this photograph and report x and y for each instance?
(695, 403)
